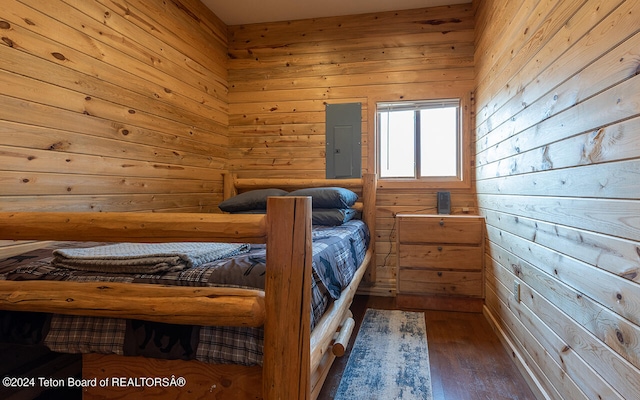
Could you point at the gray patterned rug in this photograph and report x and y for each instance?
(389, 359)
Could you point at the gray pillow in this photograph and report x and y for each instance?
(251, 200)
(332, 216)
(328, 197)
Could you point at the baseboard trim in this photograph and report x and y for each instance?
(520, 362)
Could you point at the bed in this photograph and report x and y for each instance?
(295, 359)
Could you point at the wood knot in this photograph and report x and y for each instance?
(517, 270)
(59, 146)
(435, 22)
(7, 41)
(59, 56)
(4, 25)
(619, 336)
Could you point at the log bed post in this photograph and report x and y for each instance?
(369, 187)
(228, 185)
(288, 299)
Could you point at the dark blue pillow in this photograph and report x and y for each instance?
(328, 197)
(251, 200)
(332, 216)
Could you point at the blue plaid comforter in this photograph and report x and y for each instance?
(337, 252)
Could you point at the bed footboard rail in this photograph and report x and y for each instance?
(133, 227)
(169, 304)
(172, 304)
(283, 308)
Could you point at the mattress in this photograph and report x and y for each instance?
(337, 252)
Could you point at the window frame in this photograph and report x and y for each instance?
(461, 180)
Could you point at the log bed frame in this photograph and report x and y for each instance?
(296, 361)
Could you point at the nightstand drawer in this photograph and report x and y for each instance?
(417, 229)
(445, 257)
(444, 283)
(440, 261)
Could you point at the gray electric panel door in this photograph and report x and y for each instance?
(343, 137)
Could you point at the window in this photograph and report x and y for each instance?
(420, 140)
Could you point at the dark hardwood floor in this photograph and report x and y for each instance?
(467, 360)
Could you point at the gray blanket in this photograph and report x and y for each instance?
(145, 258)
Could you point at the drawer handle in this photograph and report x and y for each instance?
(439, 248)
(439, 273)
(441, 223)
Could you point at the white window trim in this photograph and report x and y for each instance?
(462, 180)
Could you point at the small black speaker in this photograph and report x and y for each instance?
(444, 203)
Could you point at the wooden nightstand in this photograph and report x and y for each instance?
(440, 262)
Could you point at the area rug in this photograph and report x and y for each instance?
(389, 359)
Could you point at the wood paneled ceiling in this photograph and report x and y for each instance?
(241, 12)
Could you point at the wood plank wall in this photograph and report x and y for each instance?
(282, 74)
(112, 105)
(557, 168)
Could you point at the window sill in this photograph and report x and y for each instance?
(432, 183)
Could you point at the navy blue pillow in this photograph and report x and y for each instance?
(332, 216)
(328, 197)
(251, 200)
